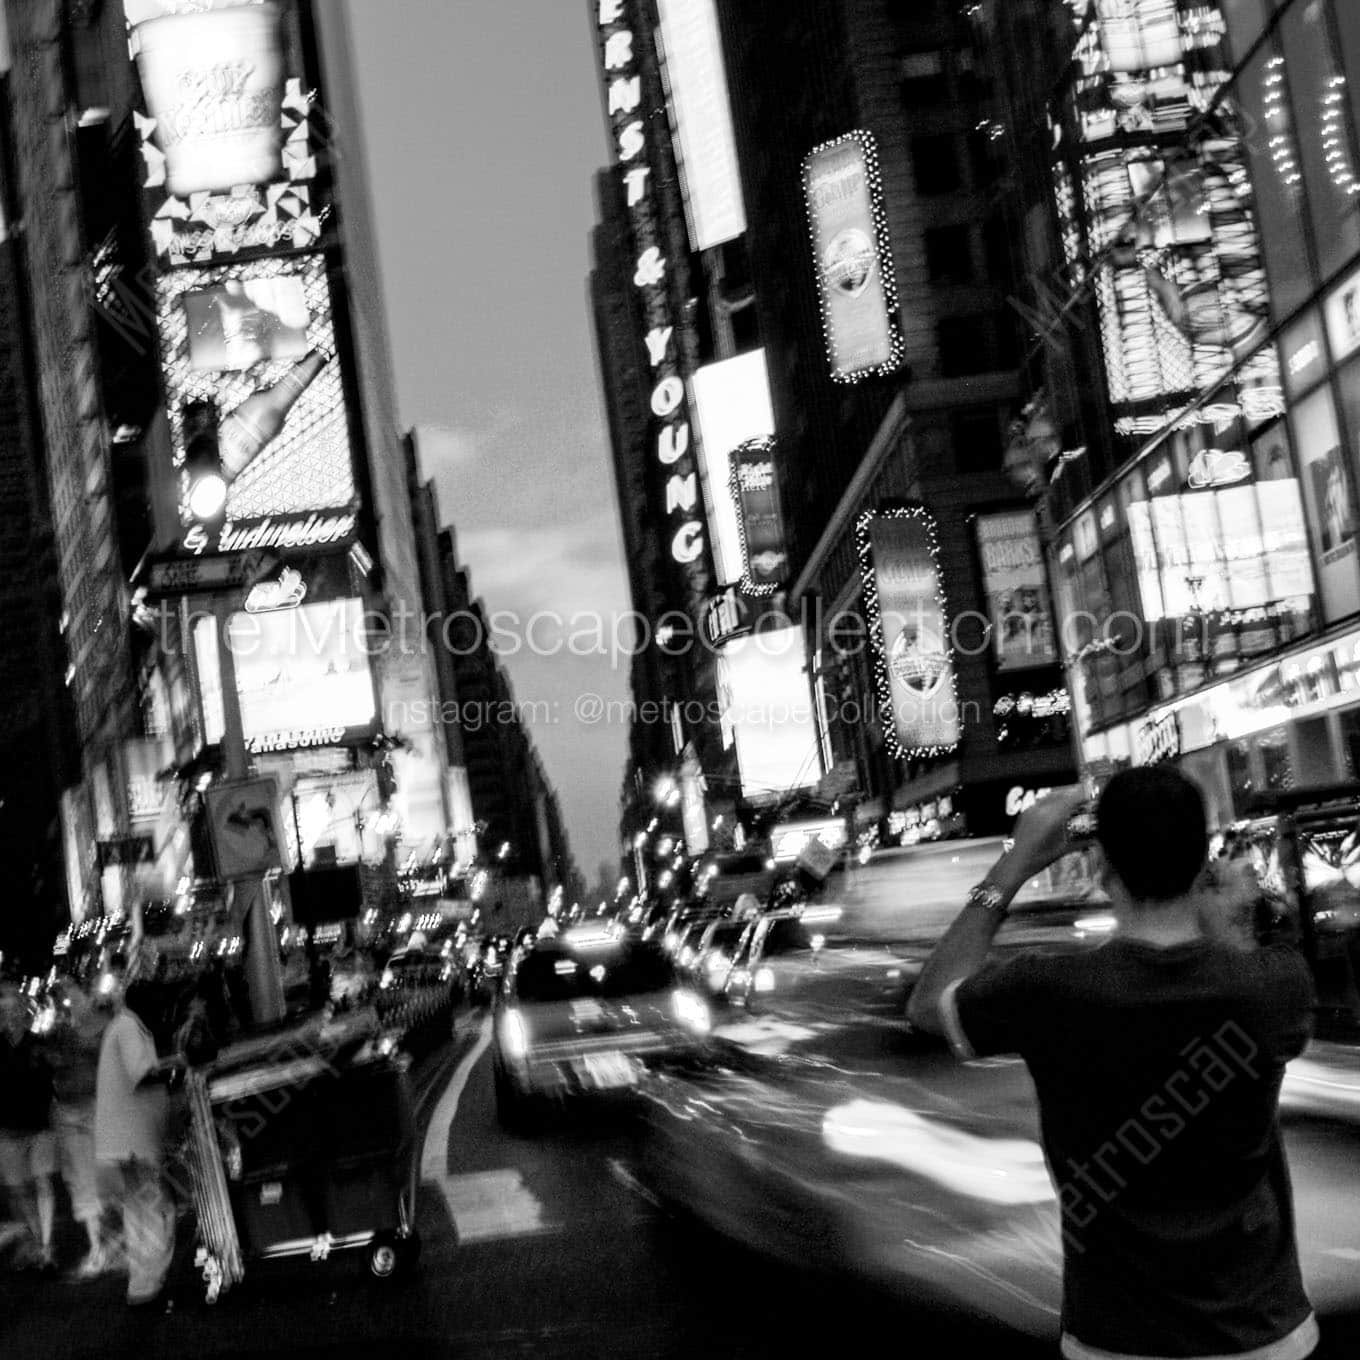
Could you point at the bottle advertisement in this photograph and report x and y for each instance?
(257, 340)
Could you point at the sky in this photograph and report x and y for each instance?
(483, 130)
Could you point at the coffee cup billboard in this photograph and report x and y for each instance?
(909, 629)
(214, 84)
(852, 258)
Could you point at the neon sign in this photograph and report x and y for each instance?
(652, 277)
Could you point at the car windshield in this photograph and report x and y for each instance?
(624, 968)
(786, 935)
(725, 937)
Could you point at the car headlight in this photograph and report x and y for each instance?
(692, 1012)
(763, 980)
(388, 978)
(514, 1034)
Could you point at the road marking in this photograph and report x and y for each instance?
(434, 1157)
(487, 1205)
(763, 1035)
(624, 1175)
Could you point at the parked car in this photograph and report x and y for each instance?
(586, 1014)
(714, 954)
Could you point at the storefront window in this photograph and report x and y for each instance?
(1322, 113)
(1329, 498)
(1278, 180)
(1350, 742)
(1240, 776)
(1219, 552)
(1277, 768)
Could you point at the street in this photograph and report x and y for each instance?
(545, 1247)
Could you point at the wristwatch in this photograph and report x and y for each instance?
(989, 897)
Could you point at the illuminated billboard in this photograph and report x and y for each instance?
(732, 403)
(256, 339)
(852, 258)
(228, 138)
(703, 116)
(1016, 586)
(909, 629)
(766, 701)
(304, 676)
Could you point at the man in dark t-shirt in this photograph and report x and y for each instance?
(1157, 1061)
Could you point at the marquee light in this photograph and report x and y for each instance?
(869, 582)
(882, 261)
(624, 101)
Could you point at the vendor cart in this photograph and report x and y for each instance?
(1305, 847)
(302, 1143)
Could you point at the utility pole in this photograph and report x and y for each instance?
(264, 973)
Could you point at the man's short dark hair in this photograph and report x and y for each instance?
(1150, 823)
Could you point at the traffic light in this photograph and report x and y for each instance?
(203, 462)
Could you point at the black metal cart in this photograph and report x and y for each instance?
(303, 1143)
(1305, 847)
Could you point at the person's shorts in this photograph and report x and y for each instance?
(24, 1157)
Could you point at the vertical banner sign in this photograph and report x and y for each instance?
(852, 258)
(908, 630)
(1016, 586)
(632, 130)
(755, 492)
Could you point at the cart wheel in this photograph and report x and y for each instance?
(390, 1255)
(383, 1258)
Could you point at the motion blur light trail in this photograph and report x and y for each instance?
(998, 1170)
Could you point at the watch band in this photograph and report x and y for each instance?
(989, 897)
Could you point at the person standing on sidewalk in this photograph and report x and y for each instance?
(74, 1048)
(28, 1150)
(130, 1123)
(1157, 1060)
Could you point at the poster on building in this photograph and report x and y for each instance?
(230, 134)
(244, 823)
(755, 491)
(1329, 500)
(1015, 583)
(852, 258)
(909, 630)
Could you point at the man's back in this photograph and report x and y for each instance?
(1158, 1071)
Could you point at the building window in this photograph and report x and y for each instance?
(949, 255)
(986, 147)
(977, 441)
(975, 344)
(935, 163)
(924, 83)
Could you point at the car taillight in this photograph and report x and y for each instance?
(763, 980)
(691, 1011)
(686, 957)
(514, 1034)
(739, 977)
(717, 961)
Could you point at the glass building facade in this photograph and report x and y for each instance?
(1206, 177)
